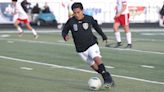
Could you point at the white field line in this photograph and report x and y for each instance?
(51, 30)
(26, 31)
(58, 31)
(110, 67)
(64, 44)
(77, 69)
(147, 66)
(26, 68)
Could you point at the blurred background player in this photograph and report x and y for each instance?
(85, 41)
(122, 18)
(161, 20)
(25, 5)
(22, 18)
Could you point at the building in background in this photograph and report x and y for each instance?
(142, 11)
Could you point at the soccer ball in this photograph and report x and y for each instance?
(94, 83)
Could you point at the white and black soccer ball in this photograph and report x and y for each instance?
(94, 83)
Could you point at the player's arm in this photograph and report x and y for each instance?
(14, 10)
(65, 31)
(17, 9)
(98, 29)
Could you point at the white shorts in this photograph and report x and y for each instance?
(90, 54)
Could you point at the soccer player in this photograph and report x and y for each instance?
(161, 20)
(85, 41)
(22, 18)
(122, 18)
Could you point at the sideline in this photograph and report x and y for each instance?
(76, 69)
(65, 44)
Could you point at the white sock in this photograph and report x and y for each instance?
(118, 36)
(34, 32)
(161, 22)
(128, 38)
(19, 29)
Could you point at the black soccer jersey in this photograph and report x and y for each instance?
(82, 32)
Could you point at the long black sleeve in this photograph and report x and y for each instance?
(66, 29)
(98, 29)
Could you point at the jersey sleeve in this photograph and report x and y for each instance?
(98, 29)
(66, 29)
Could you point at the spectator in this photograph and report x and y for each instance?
(24, 5)
(36, 9)
(46, 9)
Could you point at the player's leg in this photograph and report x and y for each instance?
(108, 81)
(125, 23)
(128, 36)
(16, 24)
(94, 55)
(99, 67)
(93, 58)
(32, 29)
(116, 32)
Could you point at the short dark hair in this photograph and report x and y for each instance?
(77, 5)
(14, 0)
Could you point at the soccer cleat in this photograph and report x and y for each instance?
(106, 85)
(109, 84)
(129, 46)
(112, 84)
(118, 45)
(36, 36)
(108, 81)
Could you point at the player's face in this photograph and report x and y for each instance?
(78, 13)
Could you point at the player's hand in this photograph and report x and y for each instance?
(105, 42)
(66, 38)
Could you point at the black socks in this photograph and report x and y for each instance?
(106, 75)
